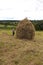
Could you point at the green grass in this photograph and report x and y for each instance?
(7, 27)
(6, 31)
(20, 52)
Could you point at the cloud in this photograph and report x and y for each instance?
(19, 9)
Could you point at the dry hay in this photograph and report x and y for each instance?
(25, 30)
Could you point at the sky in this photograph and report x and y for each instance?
(20, 9)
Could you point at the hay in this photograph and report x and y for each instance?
(25, 30)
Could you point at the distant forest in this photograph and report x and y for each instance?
(37, 23)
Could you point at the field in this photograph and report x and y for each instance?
(15, 51)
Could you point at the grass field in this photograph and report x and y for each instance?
(15, 51)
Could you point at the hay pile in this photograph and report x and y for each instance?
(25, 30)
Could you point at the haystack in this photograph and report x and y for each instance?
(25, 30)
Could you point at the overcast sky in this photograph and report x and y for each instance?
(19, 9)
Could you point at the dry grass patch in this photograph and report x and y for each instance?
(21, 52)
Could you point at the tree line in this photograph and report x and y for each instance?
(38, 24)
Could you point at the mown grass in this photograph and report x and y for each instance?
(6, 31)
(15, 51)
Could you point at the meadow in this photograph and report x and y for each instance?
(15, 51)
